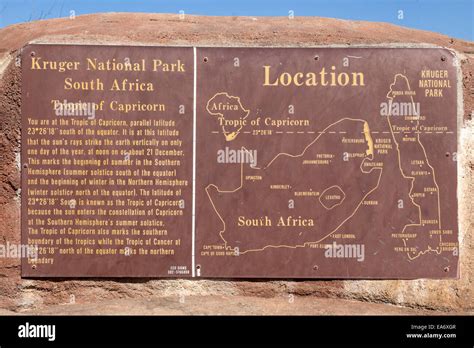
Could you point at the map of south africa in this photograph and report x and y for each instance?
(362, 181)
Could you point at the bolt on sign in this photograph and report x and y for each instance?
(239, 162)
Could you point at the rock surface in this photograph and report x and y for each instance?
(230, 305)
(154, 296)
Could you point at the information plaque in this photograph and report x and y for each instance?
(239, 162)
(107, 154)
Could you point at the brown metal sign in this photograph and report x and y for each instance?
(107, 160)
(239, 162)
